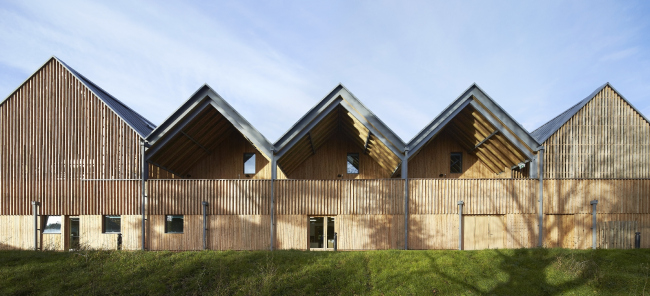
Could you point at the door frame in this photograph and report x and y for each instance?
(309, 248)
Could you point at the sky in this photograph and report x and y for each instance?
(274, 60)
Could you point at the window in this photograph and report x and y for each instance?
(456, 165)
(52, 224)
(353, 163)
(249, 163)
(174, 224)
(112, 224)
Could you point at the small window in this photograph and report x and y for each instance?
(174, 224)
(112, 224)
(353, 163)
(52, 224)
(456, 165)
(249, 163)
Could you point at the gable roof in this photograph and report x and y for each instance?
(205, 96)
(136, 121)
(542, 133)
(351, 113)
(475, 97)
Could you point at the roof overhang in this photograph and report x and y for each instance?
(195, 129)
(339, 111)
(484, 128)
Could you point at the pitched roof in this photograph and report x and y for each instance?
(340, 107)
(202, 98)
(474, 92)
(136, 121)
(542, 133)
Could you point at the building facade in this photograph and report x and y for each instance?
(79, 169)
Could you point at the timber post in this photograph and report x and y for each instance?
(205, 225)
(460, 225)
(35, 205)
(594, 222)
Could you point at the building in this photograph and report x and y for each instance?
(79, 168)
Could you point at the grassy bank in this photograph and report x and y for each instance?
(500, 272)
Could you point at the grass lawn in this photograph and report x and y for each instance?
(393, 272)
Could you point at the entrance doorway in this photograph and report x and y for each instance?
(321, 233)
(74, 233)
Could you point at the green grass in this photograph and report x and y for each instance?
(498, 272)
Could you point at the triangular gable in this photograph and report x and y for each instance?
(542, 133)
(204, 102)
(136, 121)
(502, 127)
(356, 113)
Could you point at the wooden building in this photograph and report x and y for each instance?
(73, 148)
(205, 178)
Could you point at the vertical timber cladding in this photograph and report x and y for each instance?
(55, 134)
(433, 212)
(238, 214)
(369, 214)
(568, 212)
(607, 138)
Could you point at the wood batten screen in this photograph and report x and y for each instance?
(478, 136)
(225, 197)
(615, 196)
(339, 121)
(339, 197)
(115, 197)
(369, 214)
(56, 132)
(195, 141)
(607, 138)
(481, 196)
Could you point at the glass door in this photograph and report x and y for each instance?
(321, 233)
(74, 233)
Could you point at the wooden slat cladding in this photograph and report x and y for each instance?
(339, 197)
(225, 232)
(575, 230)
(225, 197)
(433, 232)
(54, 133)
(91, 235)
(316, 150)
(111, 197)
(481, 196)
(370, 232)
(17, 232)
(434, 159)
(605, 139)
(572, 196)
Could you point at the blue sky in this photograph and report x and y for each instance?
(274, 60)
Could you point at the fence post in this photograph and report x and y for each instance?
(35, 205)
(460, 224)
(594, 227)
(205, 227)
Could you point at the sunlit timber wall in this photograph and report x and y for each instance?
(238, 214)
(601, 153)
(497, 213)
(568, 213)
(369, 214)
